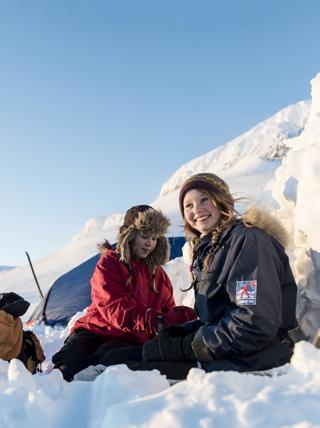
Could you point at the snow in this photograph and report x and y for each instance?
(277, 162)
(297, 190)
(122, 398)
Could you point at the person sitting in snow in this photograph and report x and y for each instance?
(14, 342)
(245, 293)
(130, 293)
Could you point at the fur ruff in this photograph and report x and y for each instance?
(259, 217)
(149, 222)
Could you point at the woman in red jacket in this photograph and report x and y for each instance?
(131, 295)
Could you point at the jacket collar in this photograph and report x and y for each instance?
(206, 239)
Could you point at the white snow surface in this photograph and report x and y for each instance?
(278, 163)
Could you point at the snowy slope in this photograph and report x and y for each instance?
(269, 140)
(277, 162)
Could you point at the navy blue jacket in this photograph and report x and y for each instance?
(246, 301)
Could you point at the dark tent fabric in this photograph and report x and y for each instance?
(71, 292)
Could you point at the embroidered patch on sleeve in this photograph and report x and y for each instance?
(246, 293)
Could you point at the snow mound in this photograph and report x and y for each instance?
(120, 398)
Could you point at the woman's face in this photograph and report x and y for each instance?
(143, 246)
(199, 211)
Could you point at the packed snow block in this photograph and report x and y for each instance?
(308, 304)
(71, 293)
(291, 189)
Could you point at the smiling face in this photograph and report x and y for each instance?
(199, 211)
(142, 246)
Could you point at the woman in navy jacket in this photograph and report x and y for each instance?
(245, 293)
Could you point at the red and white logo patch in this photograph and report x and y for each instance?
(246, 292)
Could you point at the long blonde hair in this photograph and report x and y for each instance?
(225, 204)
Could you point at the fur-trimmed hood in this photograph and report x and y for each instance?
(149, 222)
(259, 217)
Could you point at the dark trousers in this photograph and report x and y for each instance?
(83, 349)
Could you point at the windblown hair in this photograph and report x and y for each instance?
(225, 204)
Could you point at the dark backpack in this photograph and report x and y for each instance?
(31, 353)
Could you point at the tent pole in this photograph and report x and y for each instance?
(34, 275)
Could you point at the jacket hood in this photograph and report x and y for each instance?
(261, 218)
(150, 222)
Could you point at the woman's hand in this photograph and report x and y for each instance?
(178, 315)
(167, 348)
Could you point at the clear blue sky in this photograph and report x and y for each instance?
(101, 101)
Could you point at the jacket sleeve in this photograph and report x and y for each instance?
(172, 314)
(250, 323)
(170, 303)
(116, 305)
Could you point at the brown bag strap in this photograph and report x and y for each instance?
(36, 347)
(32, 353)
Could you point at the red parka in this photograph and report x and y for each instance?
(129, 311)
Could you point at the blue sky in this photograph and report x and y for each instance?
(102, 101)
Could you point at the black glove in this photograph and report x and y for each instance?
(182, 330)
(199, 348)
(13, 304)
(166, 348)
(175, 331)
